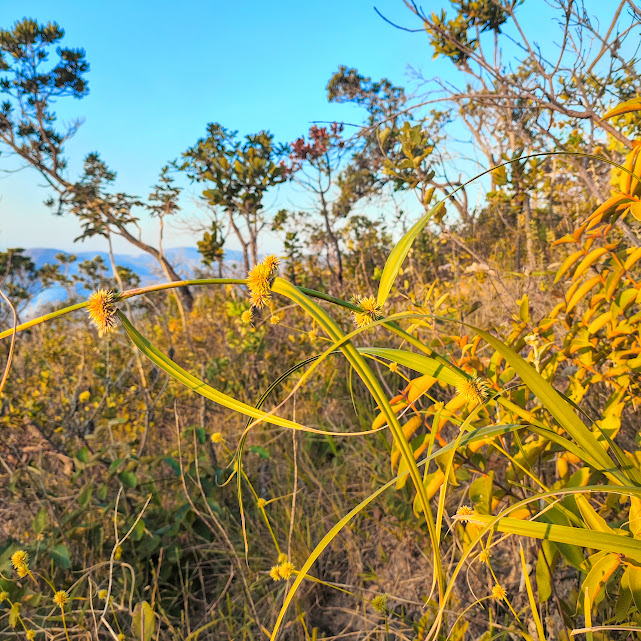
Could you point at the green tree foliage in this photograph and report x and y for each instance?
(237, 175)
(32, 85)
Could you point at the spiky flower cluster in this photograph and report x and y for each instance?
(259, 281)
(498, 592)
(283, 570)
(484, 557)
(369, 311)
(61, 598)
(101, 308)
(474, 390)
(379, 603)
(463, 513)
(20, 562)
(216, 437)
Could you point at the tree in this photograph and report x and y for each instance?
(238, 174)
(211, 247)
(29, 129)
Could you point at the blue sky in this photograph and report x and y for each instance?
(161, 70)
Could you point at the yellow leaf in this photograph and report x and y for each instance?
(582, 291)
(635, 209)
(625, 107)
(586, 263)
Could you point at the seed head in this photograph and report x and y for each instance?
(379, 603)
(101, 308)
(498, 592)
(474, 390)
(61, 598)
(370, 311)
(20, 559)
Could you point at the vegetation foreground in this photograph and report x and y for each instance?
(210, 459)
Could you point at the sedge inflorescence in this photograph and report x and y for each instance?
(283, 570)
(369, 311)
(101, 308)
(20, 562)
(379, 603)
(61, 598)
(463, 513)
(498, 592)
(259, 281)
(474, 390)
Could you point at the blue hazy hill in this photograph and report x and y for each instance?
(184, 259)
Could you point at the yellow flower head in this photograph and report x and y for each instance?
(121, 637)
(379, 603)
(3, 596)
(261, 503)
(19, 559)
(370, 311)
(312, 335)
(102, 595)
(463, 513)
(61, 598)
(259, 281)
(246, 316)
(393, 367)
(22, 571)
(216, 437)
(117, 553)
(474, 390)
(285, 570)
(275, 319)
(102, 309)
(498, 592)
(274, 573)
(31, 635)
(272, 262)
(484, 557)
(282, 558)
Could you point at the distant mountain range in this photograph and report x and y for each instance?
(184, 259)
